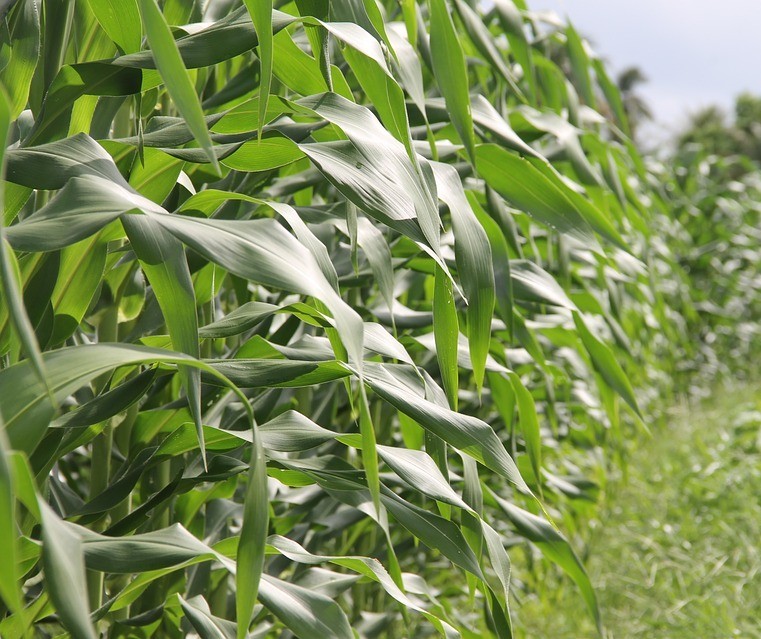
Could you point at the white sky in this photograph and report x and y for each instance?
(694, 52)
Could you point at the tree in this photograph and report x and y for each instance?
(635, 106)
(711, 130)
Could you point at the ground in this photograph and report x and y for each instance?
(676, 551)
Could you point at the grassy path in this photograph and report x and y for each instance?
(676, 552)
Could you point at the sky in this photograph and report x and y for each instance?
(694, 52)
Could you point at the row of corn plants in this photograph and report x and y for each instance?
(304, 305)
(716, 204)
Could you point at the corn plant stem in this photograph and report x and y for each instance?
(121, 437)
(100, 469)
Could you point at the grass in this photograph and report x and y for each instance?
(675, 550)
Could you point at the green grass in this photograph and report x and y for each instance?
(675, 551)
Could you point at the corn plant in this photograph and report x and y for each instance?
(715, 204)
(304, 305)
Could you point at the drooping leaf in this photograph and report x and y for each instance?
(174, 74)
(27, 409)
(451, 72)
(204, 623)
(446, 332)
(264, 252)
(529, 425)
(305, 612)
(524, 186)
(253, 534)
(474, 266)
(9, 287)
(261, 16)
(555, 547)
(63, 562)
(373, 170)
(606, 364)
(464, 432)
(162, 259)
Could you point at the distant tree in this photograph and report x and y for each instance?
(748, 113)
(711, 129)
(637, 109)
(708, 128)
(748, 123)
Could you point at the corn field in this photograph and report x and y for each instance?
(317, 315)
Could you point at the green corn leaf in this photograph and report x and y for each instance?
(524, 186)
(580, 65)
(503, 283)
(501, 564)
(140, 553)
(482, 38)
(529, 425)
(555, 547)
(288, 432)
(155, 175)
(300, 72)
(486, 116)
(70, 84)
(249, 373)
(24, 34)
(121, 21)
(369, 448)
(464, 432)
(174, 74)
(365, 566)
(474, 266)
(263, 155)
(512, 23)
(26, 408)
(241, 319)
(434, 531)
(305, 612)
(451, 73)
(63, 562)
(8, 268)
(79, 276)
(378, 254)
(162, 259)
(204, 623)
(261, 16)
(531, 283)
(263, 251)
(226, 38)
(250, 556)
(606, 364)
(612, 95)
(10, 579)
(446, 332)
(85, 206)
(418, 470)
(109, 403)
(373, 170)
(51, 165)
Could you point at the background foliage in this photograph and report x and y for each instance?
(305, 308)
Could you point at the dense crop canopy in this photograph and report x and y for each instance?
(302, 308)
